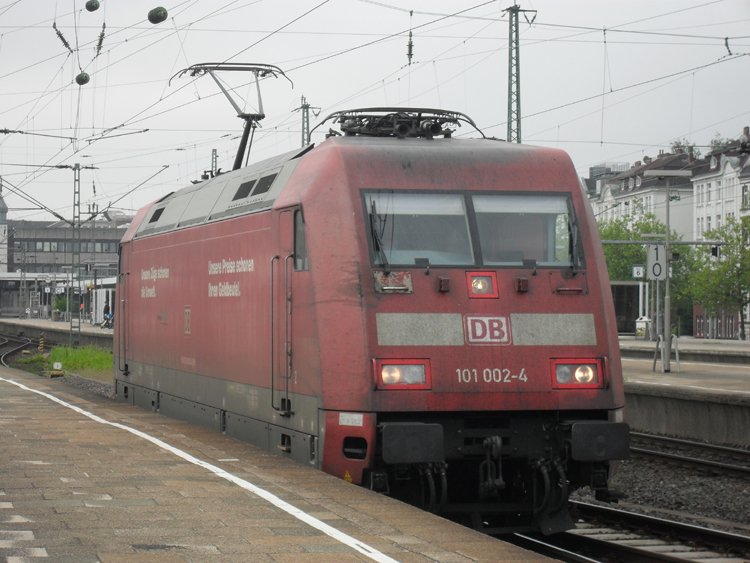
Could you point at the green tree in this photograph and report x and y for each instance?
(685, 145)
(723, 282)
(61, 303)
(683, 266)
(719, 142)
(622, 257)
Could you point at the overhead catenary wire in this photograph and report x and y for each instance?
(8, 7)
(592, 29)
(61, 89)
(629, 86)
(338, 53)
(75, 127)
(366, 44)
(137, 187)
(133, 118)
(452, 14)
(667, 142)
(26, 197)
(586, 29)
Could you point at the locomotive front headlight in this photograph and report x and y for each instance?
(391, 375)
(402, 374)
(482, 285)
(577, 374)
(585, 374)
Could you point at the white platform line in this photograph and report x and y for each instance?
(339, 536)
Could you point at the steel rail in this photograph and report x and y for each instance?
(668, 530)
(741, 467)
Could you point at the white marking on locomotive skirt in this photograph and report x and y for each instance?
(292, 510)
(351, 419)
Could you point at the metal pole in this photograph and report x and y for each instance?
(514, 72)
(75, 262)
(513, 134)
(659, 317)
(642, 299)
(667, 297)
(68, 311)
(305, 122)
(649, 310)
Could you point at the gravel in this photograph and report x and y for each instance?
(97, 387)
(650, 486)
(681, 494)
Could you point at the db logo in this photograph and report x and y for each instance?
(487, 330)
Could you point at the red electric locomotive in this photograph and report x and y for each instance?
(426, 316)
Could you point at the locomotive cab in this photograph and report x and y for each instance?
(493, 259)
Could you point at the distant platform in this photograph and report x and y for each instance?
(58, 332)
(691, 349)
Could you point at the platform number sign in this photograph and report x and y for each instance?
(656, 263)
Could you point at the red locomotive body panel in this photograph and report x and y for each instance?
(314, 322)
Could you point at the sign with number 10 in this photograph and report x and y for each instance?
(656, 263)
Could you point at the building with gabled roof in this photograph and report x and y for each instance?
(722, 193)
(631, 194)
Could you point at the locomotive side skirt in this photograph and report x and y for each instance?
(299, 439)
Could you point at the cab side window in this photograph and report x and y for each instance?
(300, 243)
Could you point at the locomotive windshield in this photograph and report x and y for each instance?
(409, 229)
(518, 228)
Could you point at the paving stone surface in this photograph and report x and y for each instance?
(73, 489)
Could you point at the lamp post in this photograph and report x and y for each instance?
(667, 328)
(68, 297)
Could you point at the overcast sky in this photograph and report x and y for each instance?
(608, 81)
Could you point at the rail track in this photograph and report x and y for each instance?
(722, 459)
(10, 345)
(609, 534)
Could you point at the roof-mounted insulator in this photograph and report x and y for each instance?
(399, 122)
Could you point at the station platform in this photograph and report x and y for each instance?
(83, 478)
(705, 396)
